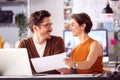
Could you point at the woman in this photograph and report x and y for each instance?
(86, 58)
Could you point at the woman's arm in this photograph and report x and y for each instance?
(95, 51)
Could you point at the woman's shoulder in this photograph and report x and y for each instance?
(93, 41)
(97, 44)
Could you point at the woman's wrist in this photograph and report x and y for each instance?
(75, 65)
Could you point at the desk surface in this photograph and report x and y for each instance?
(60, 76)
(57, 77)
(53, 76)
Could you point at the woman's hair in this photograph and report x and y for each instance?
(37, 17)
(83, 18)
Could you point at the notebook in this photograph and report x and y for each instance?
(14, 61)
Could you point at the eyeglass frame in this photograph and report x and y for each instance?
(46, 24)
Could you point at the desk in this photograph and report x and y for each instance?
(55, 77)
(60, 77)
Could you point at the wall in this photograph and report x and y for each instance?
(55, 7)
(94, 9)
(9, 32)
(91, 7)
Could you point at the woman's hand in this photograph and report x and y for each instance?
(68, 61)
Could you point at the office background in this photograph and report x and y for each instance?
(9, 32)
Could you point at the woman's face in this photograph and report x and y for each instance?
(75, 28)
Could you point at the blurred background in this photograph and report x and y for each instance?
(105, 14)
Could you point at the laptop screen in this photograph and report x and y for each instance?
(14, 61)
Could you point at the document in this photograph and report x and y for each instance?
(48, 63)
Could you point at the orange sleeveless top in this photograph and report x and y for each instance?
(81, 52)
(0, 41)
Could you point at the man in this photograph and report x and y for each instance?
(41, 43)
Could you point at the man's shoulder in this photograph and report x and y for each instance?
(56, 37)
(28, 39)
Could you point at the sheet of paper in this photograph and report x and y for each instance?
(49, 63)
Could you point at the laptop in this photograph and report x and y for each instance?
(14, 61)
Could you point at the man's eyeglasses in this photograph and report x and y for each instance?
(46, 24)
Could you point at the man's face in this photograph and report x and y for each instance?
(45, 28)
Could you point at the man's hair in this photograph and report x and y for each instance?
(83, 18)
(37, 17)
